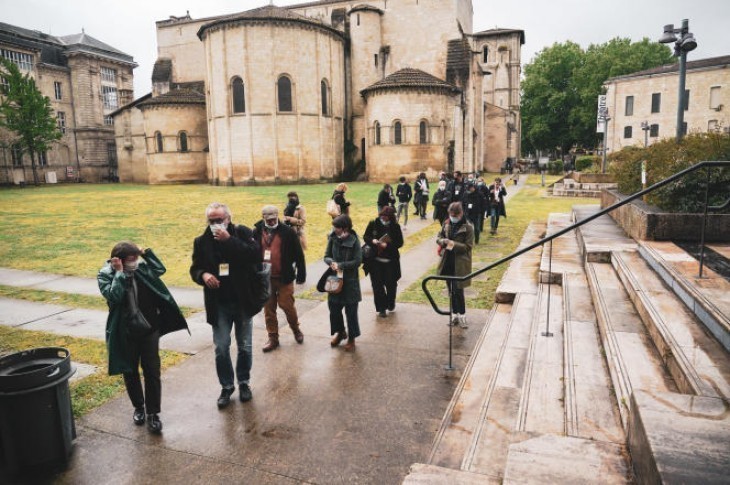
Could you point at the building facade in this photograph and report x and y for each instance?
(86, 80)
(299, 93)
(643, 105)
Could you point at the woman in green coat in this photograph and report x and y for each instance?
(456, 241)
(141, 310)
(344, 255)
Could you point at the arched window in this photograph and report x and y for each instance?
(377, 133)
(423, 132)
(325, 89)
(283, 89)
(183, 141)
(485, 54)
(237, 95)
(158, 142)
(397, 133)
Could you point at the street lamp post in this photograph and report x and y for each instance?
(682, 45)
(605, 118)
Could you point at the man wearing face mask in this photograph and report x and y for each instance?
(280, 247)
(456, 240)
(225, 260)
(134, 291)
(385, 237)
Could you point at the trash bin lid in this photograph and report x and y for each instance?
(33, 368)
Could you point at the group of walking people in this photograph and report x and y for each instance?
(228, 260)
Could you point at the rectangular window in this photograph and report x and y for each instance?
(629, 106)
(109, 120)
(376, 60)
(686, 99)
(628, 132)
(61, 121)
(17, 155)
(57, 89)
(22, 60)
(111, 154)
(109, 97)
(656, 102)
(654, 131)
(108, 75)
(43, 159)
(715, 97)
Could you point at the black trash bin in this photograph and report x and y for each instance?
(36, 420)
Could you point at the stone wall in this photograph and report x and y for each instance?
(644, 222)
(178, 41)
(131, 146)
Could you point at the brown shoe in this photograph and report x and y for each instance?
(272, 343)
(298, 336)
(339, 337)
(350, 345)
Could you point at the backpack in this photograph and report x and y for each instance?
(333, 209)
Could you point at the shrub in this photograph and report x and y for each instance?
(665, 158)
(587, 163)
(555, 167)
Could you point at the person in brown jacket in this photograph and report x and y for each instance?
(456, 241)
(296, 217)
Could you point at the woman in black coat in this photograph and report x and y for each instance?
(339, 197)
(384, 237)
(386, 198)
(441, 201)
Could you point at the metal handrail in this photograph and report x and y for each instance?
(582, 222)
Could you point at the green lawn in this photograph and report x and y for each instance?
(70, 229)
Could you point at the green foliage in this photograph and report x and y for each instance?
(586, 163)
(555, 167)
(667, 157)
(26, 112)
(563, 82)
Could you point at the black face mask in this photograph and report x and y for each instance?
(294, 201)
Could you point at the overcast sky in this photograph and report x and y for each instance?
(129, 25)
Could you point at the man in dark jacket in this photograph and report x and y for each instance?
(404, 195)
(280, 247)
(458, 187)
(225, 258)
(385, 197)
(497, 193)
(474, 206)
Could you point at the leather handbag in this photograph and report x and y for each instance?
(330, 282)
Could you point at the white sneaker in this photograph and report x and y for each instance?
(462, 321)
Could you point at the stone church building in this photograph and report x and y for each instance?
(303, 92)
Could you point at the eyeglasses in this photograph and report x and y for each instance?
(217, 221)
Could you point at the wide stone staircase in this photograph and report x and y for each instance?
(627, 380)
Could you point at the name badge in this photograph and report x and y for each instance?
(470, 206)
(267, 255)
(223, 269)
(457, 192)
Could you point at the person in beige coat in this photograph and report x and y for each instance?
(456, 241)
(296, 217)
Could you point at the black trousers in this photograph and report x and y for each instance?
(385, 284)
(147, 351)
(457, 298)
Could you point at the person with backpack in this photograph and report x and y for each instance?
(225, 262)
(340, 206)
(404, 194)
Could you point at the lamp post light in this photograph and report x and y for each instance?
(682, 45)
(605, 118)
(645, 126)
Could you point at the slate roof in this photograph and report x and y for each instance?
(458, 55)
(131, 104)
(83, 42)
(669, 68)
(174, 97)
(267, 13)
(498, 31)
(410, 78)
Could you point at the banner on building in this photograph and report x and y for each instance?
(602, 114)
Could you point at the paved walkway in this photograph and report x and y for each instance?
(319, 415)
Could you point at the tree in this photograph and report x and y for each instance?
(567, 74)
(26, 112)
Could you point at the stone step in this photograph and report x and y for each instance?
(487, 452)
(542, 401)
(461, 418)
(600, 237)
(591, 409)
(632, 358)
(564, 459)
(697, 362)
(521, 275)
(561, 255)
(422, 474)
(706, 297)
(677, 438)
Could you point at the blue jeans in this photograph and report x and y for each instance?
(229, 315)
(495, 218)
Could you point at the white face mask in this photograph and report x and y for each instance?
(454, 219)
(273, 226)
(217, 227)
(343, 235)
(130, 267)
(385, 221)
